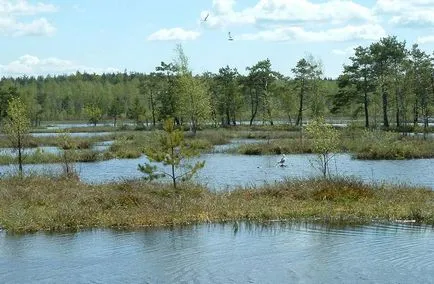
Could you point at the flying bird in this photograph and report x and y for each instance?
(206, 18)
(230, 36)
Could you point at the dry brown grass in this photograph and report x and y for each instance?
(39, 203)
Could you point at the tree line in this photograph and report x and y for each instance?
(385, 84)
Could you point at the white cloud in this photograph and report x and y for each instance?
(345, 51)
(22, 7)
(407, 13)
(32, 65)
(347, 33)
(11, 23)
(295, 11)
(174, 34)
(398, 6)
(425, 39)
(35, 28)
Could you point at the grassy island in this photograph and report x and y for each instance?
(45, 204)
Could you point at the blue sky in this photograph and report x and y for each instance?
(63, 36)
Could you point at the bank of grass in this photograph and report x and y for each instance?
(369, 145)
(40, 157)
(81, 142)
(39, 203)
(389, 146)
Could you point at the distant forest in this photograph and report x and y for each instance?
(386, 83)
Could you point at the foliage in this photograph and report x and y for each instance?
(387, 82)
(307, 73)
(137, 111)
(17, 126)
(117, 108)
(170, 150)
(94, 113)
(68, 146)
(325, 142)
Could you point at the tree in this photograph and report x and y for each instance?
(116, 109)
(68, 146)
(356, 83)
(17, 126)
(228, 99)
(421, 73)
(324, 140)
(387, 55)
(137, 111)
(258, 81)
(170, 150)
(167, 99)
(150, 88)
(94, 113)
(194, 101)
(305, 72)
(6, 94)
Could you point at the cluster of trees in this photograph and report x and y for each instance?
(388, 78)
(385, 83)
(172, 91)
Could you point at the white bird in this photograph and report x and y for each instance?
(282, 161)
(230, 36)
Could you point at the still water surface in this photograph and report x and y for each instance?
(274, 253)
(224, 171)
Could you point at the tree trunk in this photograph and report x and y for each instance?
(299, 121)
(254, 106)
(20, 156)
(153, 110)
(365, 104)
(398, 109)
(173, 169)
(385, 106)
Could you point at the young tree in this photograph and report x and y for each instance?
(68, 146)
(170, 150)
(17, 126)
(325, 140)
(194, 100)
(94, 113)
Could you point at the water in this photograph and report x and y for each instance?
(28, 151)
(274, 253)
(73, 134)
(224, 171)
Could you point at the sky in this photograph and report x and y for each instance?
(95, 36)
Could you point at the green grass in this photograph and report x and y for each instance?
(40, 203)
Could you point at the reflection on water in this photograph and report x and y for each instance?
(271, 253)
